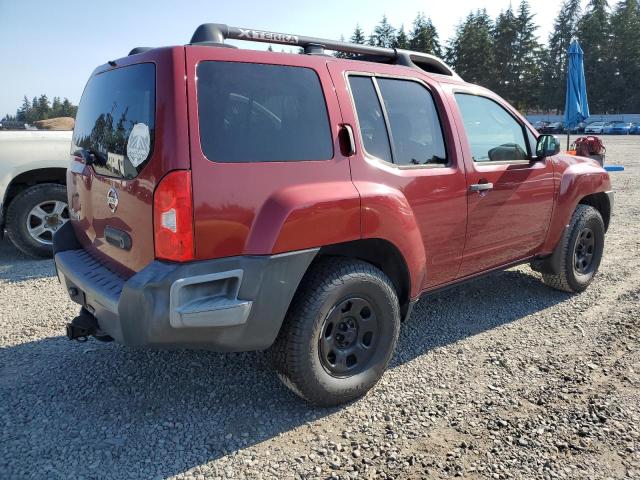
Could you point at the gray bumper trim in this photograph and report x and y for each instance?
(226, 304)
(100, 283)
(208, 301)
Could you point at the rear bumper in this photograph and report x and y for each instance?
(228, 304)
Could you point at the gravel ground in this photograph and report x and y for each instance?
(501, 378)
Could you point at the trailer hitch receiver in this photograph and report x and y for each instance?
(83, 326)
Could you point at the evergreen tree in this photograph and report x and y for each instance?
(528, 57)
(341, 54)
(358, 36)
(67, 109)
(24, 111)
(594, 31)
(470, 52)
(505, 38)
(384, 35)
(401, 40)
(625, 45)
(56, 107)
(424, 36)
(565, 28)
(44, 107)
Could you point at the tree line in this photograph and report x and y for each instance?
(40, 108)
(506, 55)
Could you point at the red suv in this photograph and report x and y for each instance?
(232, 200)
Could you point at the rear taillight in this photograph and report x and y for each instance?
(173, 217)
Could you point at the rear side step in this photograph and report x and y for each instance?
(84, 326)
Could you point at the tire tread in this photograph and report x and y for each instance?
(561, 280)
(290, 346)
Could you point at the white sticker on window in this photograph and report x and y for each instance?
(139, 144)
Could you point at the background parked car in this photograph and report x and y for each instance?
(539, 125)
(553, 127)
(578, 128)
(634, 128)
(33, 196)
(616, 128)
(594, 127)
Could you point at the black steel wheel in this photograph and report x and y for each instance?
(583, 251)
(348, 337)
(339, 333)
(580, 251)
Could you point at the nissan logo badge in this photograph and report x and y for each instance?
(112, 199)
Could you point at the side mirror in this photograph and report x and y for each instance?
(547, 146)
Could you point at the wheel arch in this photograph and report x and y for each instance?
(599, 201)
(381, 254)
(30, 178)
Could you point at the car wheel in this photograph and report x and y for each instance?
(339, 333)
(581, 251)
(35, 215)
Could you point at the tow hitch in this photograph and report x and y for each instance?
(83, 326)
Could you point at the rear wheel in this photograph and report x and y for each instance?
(581, 251)
(340, 332)
(35, 215)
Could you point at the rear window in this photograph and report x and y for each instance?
(261, 113)
(116, 120)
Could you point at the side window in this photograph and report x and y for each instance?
(261, 113)
(415, 126)
(370, 118)
(494, 135)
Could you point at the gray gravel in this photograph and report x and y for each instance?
(502, 378)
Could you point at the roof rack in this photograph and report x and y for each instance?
(215, 34)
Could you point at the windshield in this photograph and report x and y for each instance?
(115, 125)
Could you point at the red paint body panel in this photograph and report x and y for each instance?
(510, 221)
(575, 177)
(270, 207)
(429, 222)
(88, 190)
(443, 231)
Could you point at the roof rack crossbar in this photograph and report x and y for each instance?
(217, 33)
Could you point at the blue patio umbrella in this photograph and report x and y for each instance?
(576, 108)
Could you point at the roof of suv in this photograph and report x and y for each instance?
(214, 35)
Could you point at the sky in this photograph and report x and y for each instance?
(52, 46)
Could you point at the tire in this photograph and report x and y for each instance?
(50, 197)
(585, 234)
(335, 294)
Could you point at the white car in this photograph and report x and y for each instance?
(595, 127)
(33, 194)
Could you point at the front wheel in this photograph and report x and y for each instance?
(581, 251)
(340, 332)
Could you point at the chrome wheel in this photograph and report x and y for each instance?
(45, 219)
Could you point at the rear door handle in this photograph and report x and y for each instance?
(480, 187)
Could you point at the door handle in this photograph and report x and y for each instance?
(480, 187)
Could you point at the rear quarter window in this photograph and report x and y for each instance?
(114, 105)
(261, 113)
